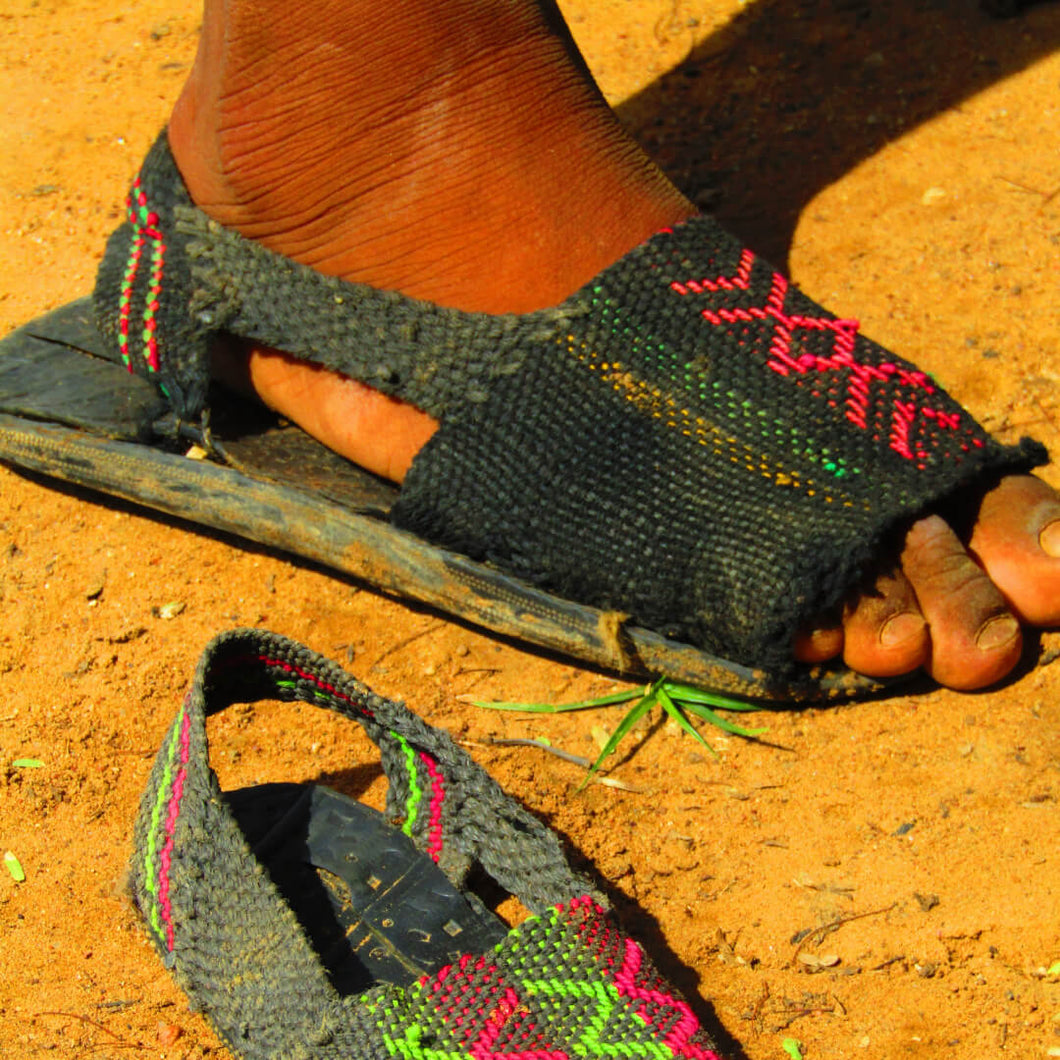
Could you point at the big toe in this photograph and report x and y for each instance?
(1017, 541)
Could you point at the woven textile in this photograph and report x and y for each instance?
(566, 983)
(687, 440)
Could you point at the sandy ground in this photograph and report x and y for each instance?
(901, 159)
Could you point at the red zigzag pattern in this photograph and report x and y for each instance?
(861, 376)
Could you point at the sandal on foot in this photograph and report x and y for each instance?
(303, 924)
(686, 459)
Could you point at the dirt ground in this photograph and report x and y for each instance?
(902, 160)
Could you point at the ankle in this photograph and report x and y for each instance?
(478, 169)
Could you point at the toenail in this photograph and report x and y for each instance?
(1049, 539)
(996, 633)
(900, 628)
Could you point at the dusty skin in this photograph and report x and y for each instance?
(902, 160)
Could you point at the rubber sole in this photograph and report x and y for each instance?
(375, 909)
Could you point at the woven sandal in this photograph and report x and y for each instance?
(304, 925)
(671, 471)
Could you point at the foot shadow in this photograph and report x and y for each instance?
(792, 94)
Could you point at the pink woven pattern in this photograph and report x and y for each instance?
(863, 376)
(434, 823)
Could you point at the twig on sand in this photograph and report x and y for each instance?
(99, 1026)
(1046, 196)
(520, 741)
(567, 756)
(825, 930)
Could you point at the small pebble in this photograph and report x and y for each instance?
(815, 962)
(168, 1033)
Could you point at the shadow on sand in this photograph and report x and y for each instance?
(792, 94)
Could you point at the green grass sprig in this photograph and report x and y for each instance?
(677, 701)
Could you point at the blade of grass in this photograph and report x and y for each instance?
(704, 712)
(675, 712)
(633, 715)
(13, 866)
(676, 699)
(712, 699)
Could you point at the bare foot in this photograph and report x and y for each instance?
(459, 152)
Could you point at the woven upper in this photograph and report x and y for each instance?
(703, 449)
(688, 440)
(566, 983)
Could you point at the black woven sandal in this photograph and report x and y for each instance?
(671, 471)
(303, 924)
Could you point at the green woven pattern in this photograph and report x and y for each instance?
(567, 984)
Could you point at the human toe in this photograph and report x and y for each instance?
(1017, 540)
(881, 633)
(885, 633)
(975, 638)
(819, 642)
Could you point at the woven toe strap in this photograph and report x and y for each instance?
(705, 451)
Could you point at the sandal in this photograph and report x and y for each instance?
(303, 924)
(671, 471)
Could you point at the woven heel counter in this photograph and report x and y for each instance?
(144, 289)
